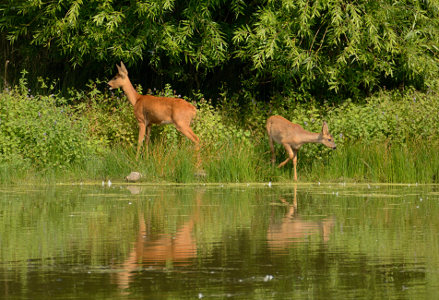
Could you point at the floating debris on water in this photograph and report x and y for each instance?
(268, 278)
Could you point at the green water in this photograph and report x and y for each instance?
(216, 242)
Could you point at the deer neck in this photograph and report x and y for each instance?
(309, 137)
(130, 92)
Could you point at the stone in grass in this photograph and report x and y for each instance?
(133, 177)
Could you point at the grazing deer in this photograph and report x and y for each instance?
(292, 137)
(155, 110)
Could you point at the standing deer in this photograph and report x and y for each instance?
(155, 110)
(292, 137)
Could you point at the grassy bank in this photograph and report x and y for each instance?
(91, 136)
(417, 163)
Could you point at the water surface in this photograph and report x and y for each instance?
(213, 242)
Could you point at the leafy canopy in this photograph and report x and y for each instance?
(321, 46)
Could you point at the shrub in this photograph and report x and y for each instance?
(39, 131)
(399, 117)
(110, 117)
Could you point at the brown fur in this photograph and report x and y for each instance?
(150, 110)
(292, 137)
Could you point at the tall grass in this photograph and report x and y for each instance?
(379, 162)
(417, 162)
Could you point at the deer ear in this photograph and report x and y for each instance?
(123, 68)
(119, 70)
(325, 129)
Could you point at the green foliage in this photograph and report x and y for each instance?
(104, 30)
(237, 162)
(396, 117)
(341, 45)
(215, 130)
(277, 47)
(110, 117)
(37, 131)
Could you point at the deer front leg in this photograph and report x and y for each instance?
(148, 135)
(291, 155)
(295, 164)
(142, 128)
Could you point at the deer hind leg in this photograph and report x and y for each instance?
(290, 152)
(187, 131)
(194, 138)
(292, 155)
(273, 155)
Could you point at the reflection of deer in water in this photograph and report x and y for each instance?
(178, 248)
(294, 229)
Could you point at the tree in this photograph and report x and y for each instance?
(344, 46)
(347, 48)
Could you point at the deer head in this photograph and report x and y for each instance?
(120, 79)
(326, 137)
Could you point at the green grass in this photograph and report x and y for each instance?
(235, 162)
(379, 162)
